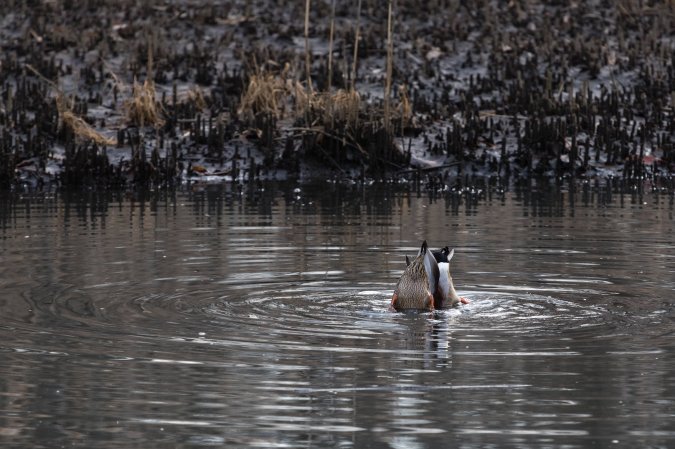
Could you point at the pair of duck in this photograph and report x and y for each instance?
(426, 283)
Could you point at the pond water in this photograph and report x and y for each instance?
(214, 316)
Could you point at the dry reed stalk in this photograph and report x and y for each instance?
(141, 108)
(196, 96)
(43, 78)
(345, 105)
(404, 106)
(356, 42)
(299, 95)
(387, 83)
(78, 126)
(308, 61)
(149, 67)
(265, 93)
(330, 45)
(117, 83)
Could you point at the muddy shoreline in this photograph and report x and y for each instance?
(116, 93)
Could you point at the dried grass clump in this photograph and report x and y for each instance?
(265, 93)
(142, 109)
(196, 97)
(302, 99)
(78, 126)
(346, 105)
(343, 106)
(404, 108)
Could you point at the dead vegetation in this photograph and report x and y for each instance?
(80, 128)
(335, 125)
(265, 94)
(142, 109)
(380, 91)
(69, 119)
(345, 105)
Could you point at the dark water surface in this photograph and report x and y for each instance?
(213, 318)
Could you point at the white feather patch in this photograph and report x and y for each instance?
(444, 279)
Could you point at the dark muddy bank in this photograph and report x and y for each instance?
(122, 92)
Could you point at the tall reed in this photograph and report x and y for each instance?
(308, 60)
(330, 45)
(387, 82)
(356, 43)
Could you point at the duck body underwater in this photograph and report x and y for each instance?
(426, 283)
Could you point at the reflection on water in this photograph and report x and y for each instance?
(222, 316)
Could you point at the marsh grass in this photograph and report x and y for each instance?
(356, 44)
(265, 93)
(308, 55)
(69, 119)
(289, 106)
(330, 45)
(78, 126)
(335, 125)
(387, 82)
(142, 108)
(346, 105)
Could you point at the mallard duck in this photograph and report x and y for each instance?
(426, 283)
(442, 254)
(446, 296)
